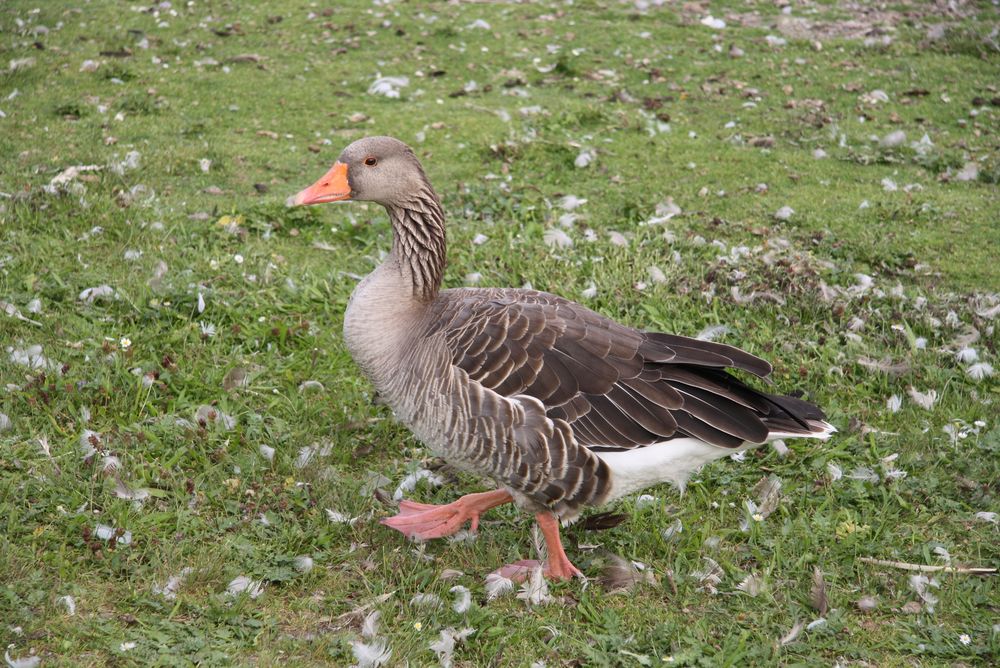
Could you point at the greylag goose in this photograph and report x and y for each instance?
(561, 406)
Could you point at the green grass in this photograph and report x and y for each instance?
(271, 127)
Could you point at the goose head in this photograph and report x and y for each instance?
(374, 169)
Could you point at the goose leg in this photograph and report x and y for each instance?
(426, 521)
(558, 565)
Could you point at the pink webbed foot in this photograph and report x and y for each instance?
(557, 566)
(425, 521)
(519, 571)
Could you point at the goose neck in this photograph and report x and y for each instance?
(418, 244)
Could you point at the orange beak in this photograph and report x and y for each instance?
(333, 187)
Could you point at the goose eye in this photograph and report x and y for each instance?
(371, 162)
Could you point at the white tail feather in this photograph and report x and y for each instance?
(675, 460)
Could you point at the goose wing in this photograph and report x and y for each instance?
(618, 388)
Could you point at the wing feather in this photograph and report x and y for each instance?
(615, 386)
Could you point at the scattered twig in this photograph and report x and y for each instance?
(973, 570)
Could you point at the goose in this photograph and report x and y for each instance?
(561, 406)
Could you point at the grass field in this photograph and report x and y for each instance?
(177, 409)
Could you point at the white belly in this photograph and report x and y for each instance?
(672, 461)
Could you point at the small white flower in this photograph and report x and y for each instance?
(207, 329)
(965, 639)
(238, 259)
(125, 343)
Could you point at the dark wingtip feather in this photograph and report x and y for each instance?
(696, 351)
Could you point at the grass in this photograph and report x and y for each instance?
(270, 94)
